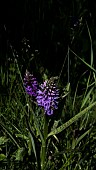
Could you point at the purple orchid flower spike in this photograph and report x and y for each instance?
(47, 96)
(30, 84)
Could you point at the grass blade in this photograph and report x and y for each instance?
(91, 44)
(3, 126)
(72, 120)
(81, 137)
(87, 97)
(33, 145)
(88, 65)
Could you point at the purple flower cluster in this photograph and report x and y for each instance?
(46, 94)
(47, 97)
(30, 84)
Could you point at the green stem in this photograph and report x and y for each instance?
(43, 149)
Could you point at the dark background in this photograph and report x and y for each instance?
(50, 26)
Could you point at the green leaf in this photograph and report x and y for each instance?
(2, 157)
(20, 154)
(72, 120)
(22, 136)
(3, 140)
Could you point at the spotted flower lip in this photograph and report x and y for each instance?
(30, 84)
(47, 97)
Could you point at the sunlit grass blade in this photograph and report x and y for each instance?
(63, 65)
(33, 145)
(84, 101)
(72, 120)
(75, 95)
(18, 69)
(88, 65)
(91, 44)
(80, 138)
(76, 90)
(86, 90)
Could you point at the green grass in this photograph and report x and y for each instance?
(70, 142)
